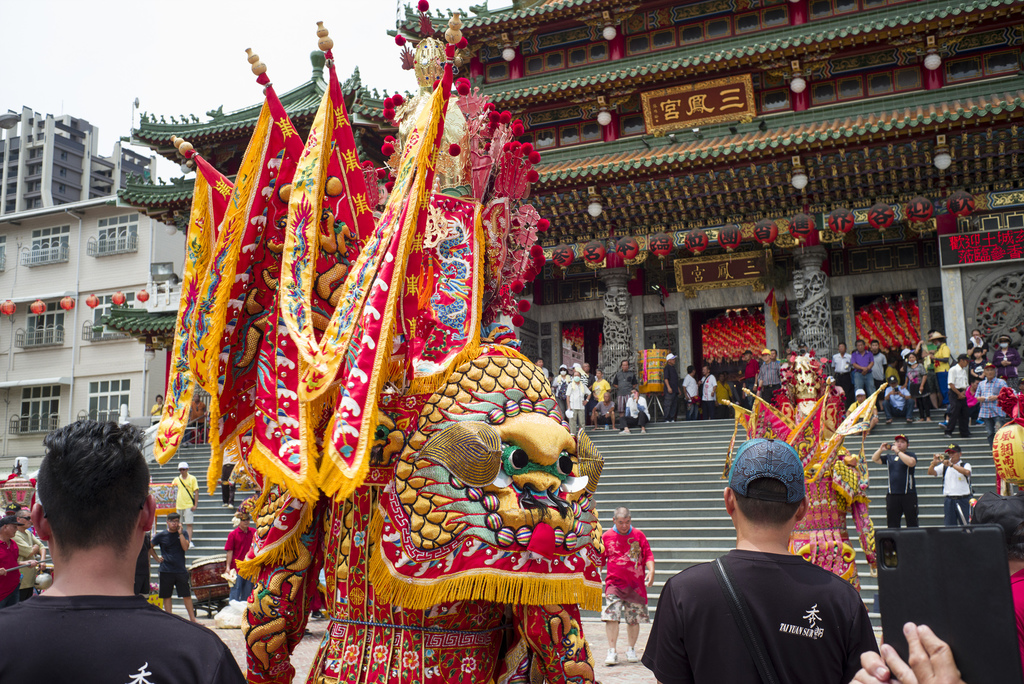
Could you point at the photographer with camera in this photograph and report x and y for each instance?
(956, 484)
(901, 496)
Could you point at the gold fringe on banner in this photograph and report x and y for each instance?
(284, 551)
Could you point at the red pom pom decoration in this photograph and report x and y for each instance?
(387, 149)
(463, 43)
(462, 88)
(399, 40)
(523, 305)
(536, 251)
(516, 148)
(454, 150)
(389, 103)
(389, 186)
(543, 225)
(397, 99)
(506, 117)
(518, 286)
(532, 176)
(382, 173)
(518, 129)
(423, 5)
(389, 114)
(518, 320)
(390, 139)
(490, 106)
(534, 157)
(493, 117)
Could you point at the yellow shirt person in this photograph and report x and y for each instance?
(599, 387)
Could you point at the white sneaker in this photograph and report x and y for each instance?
(631, 656)
(612, 659)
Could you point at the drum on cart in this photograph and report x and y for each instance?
(208, 584)
(651, 370)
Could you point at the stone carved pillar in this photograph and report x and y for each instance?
(618, 309)
(810, 286)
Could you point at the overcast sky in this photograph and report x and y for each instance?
(91, 60)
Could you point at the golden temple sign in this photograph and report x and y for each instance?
(723, 270)
(696, 104)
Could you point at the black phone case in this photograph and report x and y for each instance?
(956, 580)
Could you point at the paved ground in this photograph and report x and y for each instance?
(624, 673)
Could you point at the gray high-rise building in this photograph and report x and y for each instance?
(48, 160)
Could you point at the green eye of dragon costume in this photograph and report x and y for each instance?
(349, 336)
(807, 413)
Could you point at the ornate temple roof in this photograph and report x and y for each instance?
(155, 329)
(522, 13)
(770, 50)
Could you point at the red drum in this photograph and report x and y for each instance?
(207, 583)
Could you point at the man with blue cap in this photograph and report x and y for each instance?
(759, 609)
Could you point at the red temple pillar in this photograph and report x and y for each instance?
(798, 12)
(801, 101)
(476, 69)
(617, 45)
(517, 67)
(611, 131)
(933, 80)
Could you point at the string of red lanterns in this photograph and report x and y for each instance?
(9, 307)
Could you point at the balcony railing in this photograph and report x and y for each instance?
(50, 336)
(27, 425)
(100, 416)
(42, 256)
(122, 244)
(100, 333)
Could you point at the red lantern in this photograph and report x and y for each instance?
(660, 245)
(841, 221)
(142, 296)
(67, 303)
(696, 241)
(960, 203)
(919, 209)
(730, 237)
(765, 231)
(562, 256)
(881, 216)
(627, 247)
(93, 301)
(118, 298)
(594, 252)
(8, 308)
(801, 227)
(38, 307)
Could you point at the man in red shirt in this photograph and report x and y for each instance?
(10, 576)
(750, 370)
(1008, 513)
(237, 545)
(630, 570)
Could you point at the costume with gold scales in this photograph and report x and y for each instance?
(402, 442)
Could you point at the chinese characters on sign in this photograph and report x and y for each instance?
(722, 270)
(981, 247)
(696, 104)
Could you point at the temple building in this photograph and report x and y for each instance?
(734, 174)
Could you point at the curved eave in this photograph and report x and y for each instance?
(785, 43)
(545, 12)
(147, 195)
(141, 323)
(827, 132)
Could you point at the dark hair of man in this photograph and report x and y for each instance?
(171, 517)
(766, 513)
(690, 369)
(92, 483)
(1015, 547)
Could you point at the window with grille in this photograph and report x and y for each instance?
(117, 235)
(49, 246)
(106, 398)
(3, 252)
(40, 408)
(43, 329)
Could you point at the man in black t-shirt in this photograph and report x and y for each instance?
(813, 624)
(901, 498)
(173, 543)
(90, 625)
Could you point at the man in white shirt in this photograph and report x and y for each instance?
(707, 393)
(841, 372)
(956, 484)
(636, 413)
(691, 393)
(897, 400)
(957, 414)
(576, 399)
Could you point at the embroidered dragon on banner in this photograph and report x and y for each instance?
(414, 466)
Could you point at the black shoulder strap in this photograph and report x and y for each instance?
(741, 614)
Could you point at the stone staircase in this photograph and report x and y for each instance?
(671, 481)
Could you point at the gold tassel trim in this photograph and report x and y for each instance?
(474, 585)
(282, 553)
(271, 469)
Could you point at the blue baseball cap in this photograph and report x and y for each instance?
(758, 458)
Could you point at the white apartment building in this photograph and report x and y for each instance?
(59, 365)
